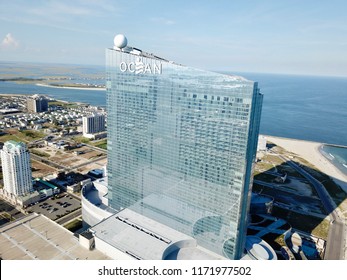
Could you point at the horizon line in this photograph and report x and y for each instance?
(218, 71)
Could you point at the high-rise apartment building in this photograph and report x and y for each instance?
(37, 104)
(16, 168)
(93, 124)
(181, 146)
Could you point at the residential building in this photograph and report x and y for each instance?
(37, 103)
(16, 168)
(93, 124)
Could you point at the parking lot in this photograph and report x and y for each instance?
(56, 207)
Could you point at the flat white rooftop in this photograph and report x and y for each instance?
(37, 237)
(144, 238)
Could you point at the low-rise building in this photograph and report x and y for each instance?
(93, 124)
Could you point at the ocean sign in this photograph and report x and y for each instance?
(139, 67)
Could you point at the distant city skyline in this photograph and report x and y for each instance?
(289, 37)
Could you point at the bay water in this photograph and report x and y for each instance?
(310, 108)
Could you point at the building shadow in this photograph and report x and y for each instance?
(298, 201)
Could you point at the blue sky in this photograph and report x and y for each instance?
(271, 36)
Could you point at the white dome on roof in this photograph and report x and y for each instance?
(120, 41)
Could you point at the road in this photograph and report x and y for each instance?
(289, 177)
(327, 202)
(295, 206)
(335, 242)
(47, 161)
(96, 148)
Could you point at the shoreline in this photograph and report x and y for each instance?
(13, 94)
(66, 87)
(50, 98)
(310, 151)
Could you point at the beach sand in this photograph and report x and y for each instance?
(310, 151)
(66, 87)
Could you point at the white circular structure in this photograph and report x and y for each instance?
(258, 249)
(120, 41)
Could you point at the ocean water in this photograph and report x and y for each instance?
(304, 107)
(92, 97)
(337, 155)
(301, 107)
(307, 108)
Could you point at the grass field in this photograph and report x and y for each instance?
(81, 139)
(62, 104)
(316, 226)
(101, 144)
(21, 136)
(39, 153)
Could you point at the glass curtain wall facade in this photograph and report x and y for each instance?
(181, 147)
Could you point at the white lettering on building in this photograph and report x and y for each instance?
(139, 67)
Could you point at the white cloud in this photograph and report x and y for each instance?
(58, 8)
(162, 20)
(9, 42)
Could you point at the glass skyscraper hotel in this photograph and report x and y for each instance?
(181, 146)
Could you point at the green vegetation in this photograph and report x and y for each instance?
(81, 139)
(20, 79)
(337, 194)
(33, 134)
(310, 168)
(284, 168)
(62, 104)
(280, 240)
(264, 165)
(274, 160)
(322, 229)
(74, 225)
(76, 85)
(101, 144)
(334, 190)
(6, 216)
(8, 137)
(277, 149)
(39, 153)
(21, 136)
(343, 207)
(57, 103)
(310, 224)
